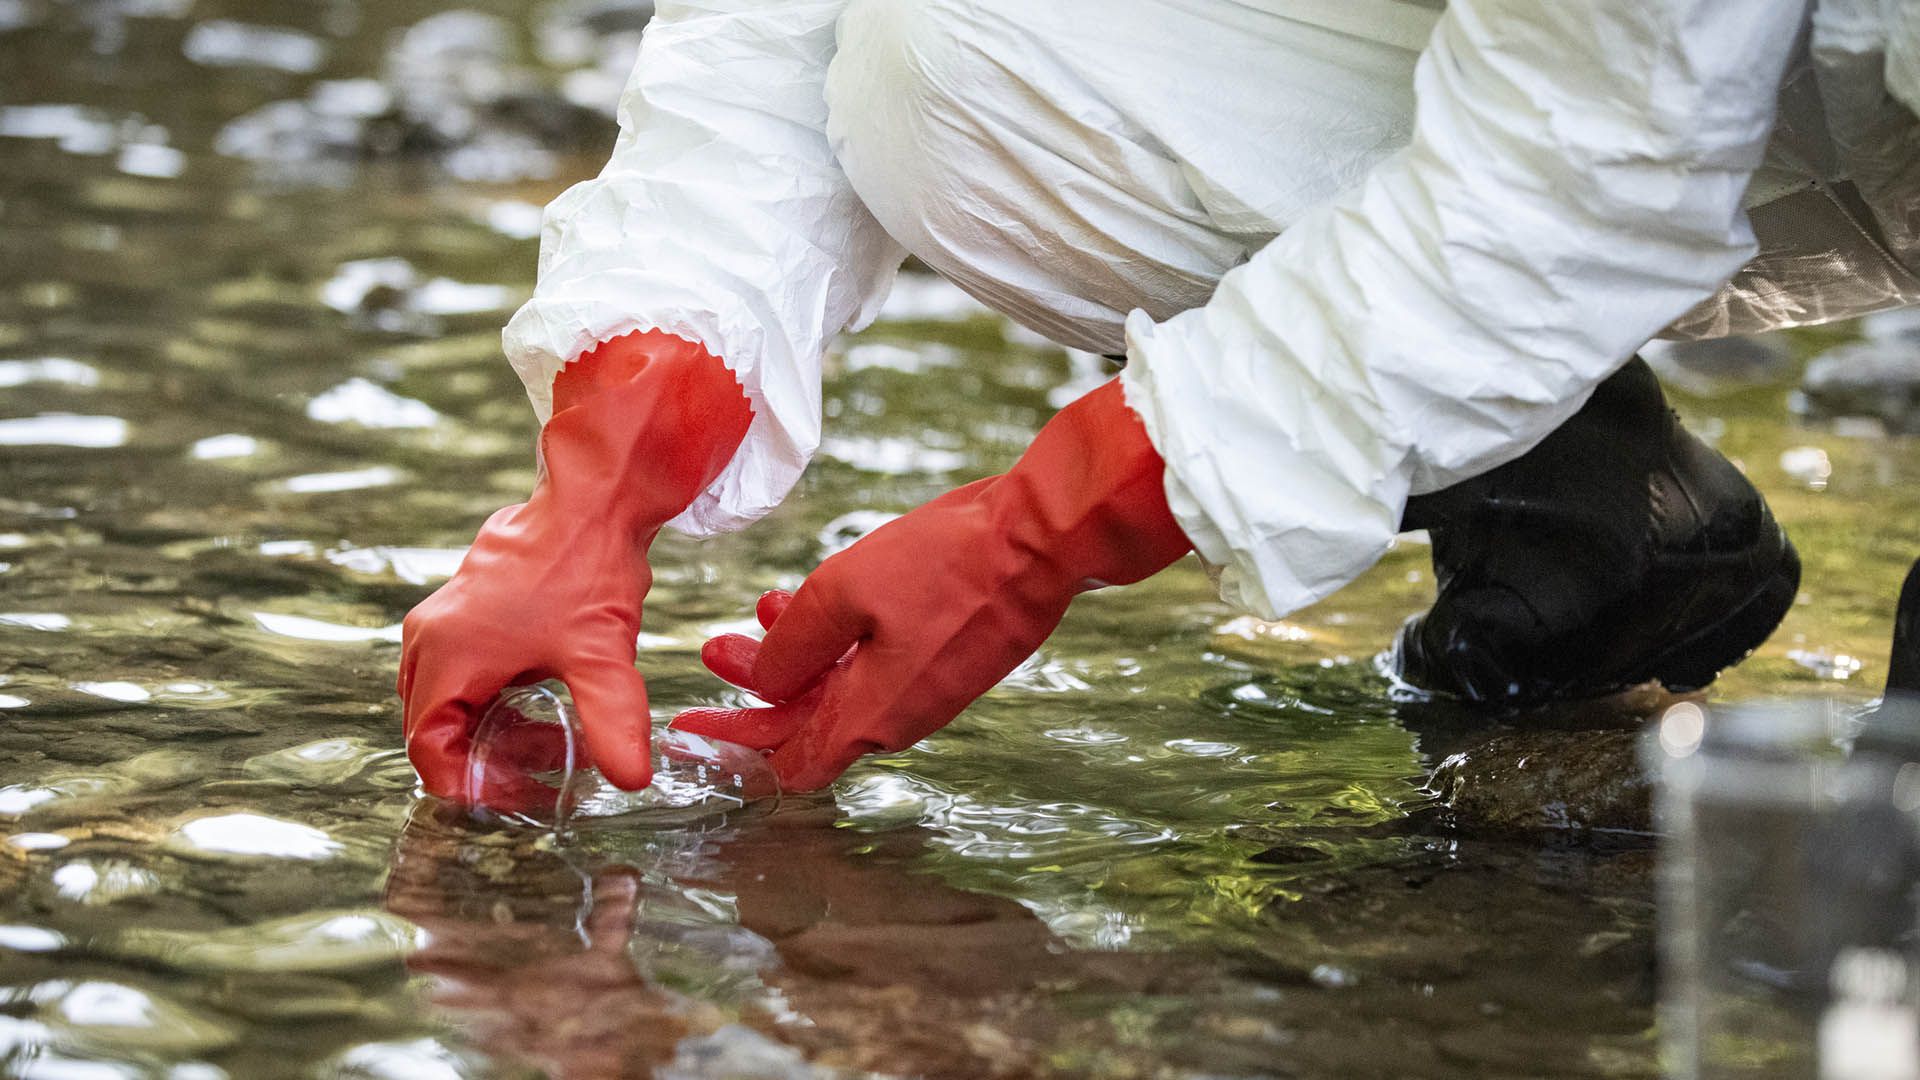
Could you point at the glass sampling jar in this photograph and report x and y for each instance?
(1788, 880)
(529, 765)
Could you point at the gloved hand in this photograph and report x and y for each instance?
(888, 640)
(552, 587)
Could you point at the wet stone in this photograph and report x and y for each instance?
(1289, 855)
(595, 42)
(285, 996)
(97, 1014)
(389, 295)
(1568, 782)
(224, 43)
(455, 92)
(321, 762)
(316, 943)
(1720, 365)
(598, 18)
(741, 1052)
(1875, 379)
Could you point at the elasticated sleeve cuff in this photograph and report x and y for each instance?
(723, 217)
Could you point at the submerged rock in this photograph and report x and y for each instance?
(96, 1016)
(1557, 781)
(1718, 366)
(595, 42)
(738, 1051)
(571, 29)
(224, 43)
(315, 942)
(456, 92)
(1877, 378)
(392, 296)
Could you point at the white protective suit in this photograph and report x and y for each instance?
(1353, 249)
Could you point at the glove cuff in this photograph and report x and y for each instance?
(1089, 495)
(642, 425)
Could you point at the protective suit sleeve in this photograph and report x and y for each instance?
(724, 218)
(1573, 184)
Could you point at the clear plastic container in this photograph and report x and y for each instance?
(1789, 874)
(529, 766)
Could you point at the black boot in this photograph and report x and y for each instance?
(1894, 728)
(1903, 672)
(1620, 551)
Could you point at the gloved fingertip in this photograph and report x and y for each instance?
(731, 657)
(772, 603)
(628, 773)
(614, 717)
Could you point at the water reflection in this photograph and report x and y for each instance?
(46, 621)
(536, 967)
(53, 369)
(223, 43)
(232, 445)
(30, 939)
(610, 962)
(246, 834)
(93, 1015)
(75, 129)
(64, 429)
(345, 480)
(618, 956)
(295, 626)
(358, 401)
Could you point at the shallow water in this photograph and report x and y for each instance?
(1178, 842)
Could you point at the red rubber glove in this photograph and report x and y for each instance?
(552, 587)
(939, 605)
